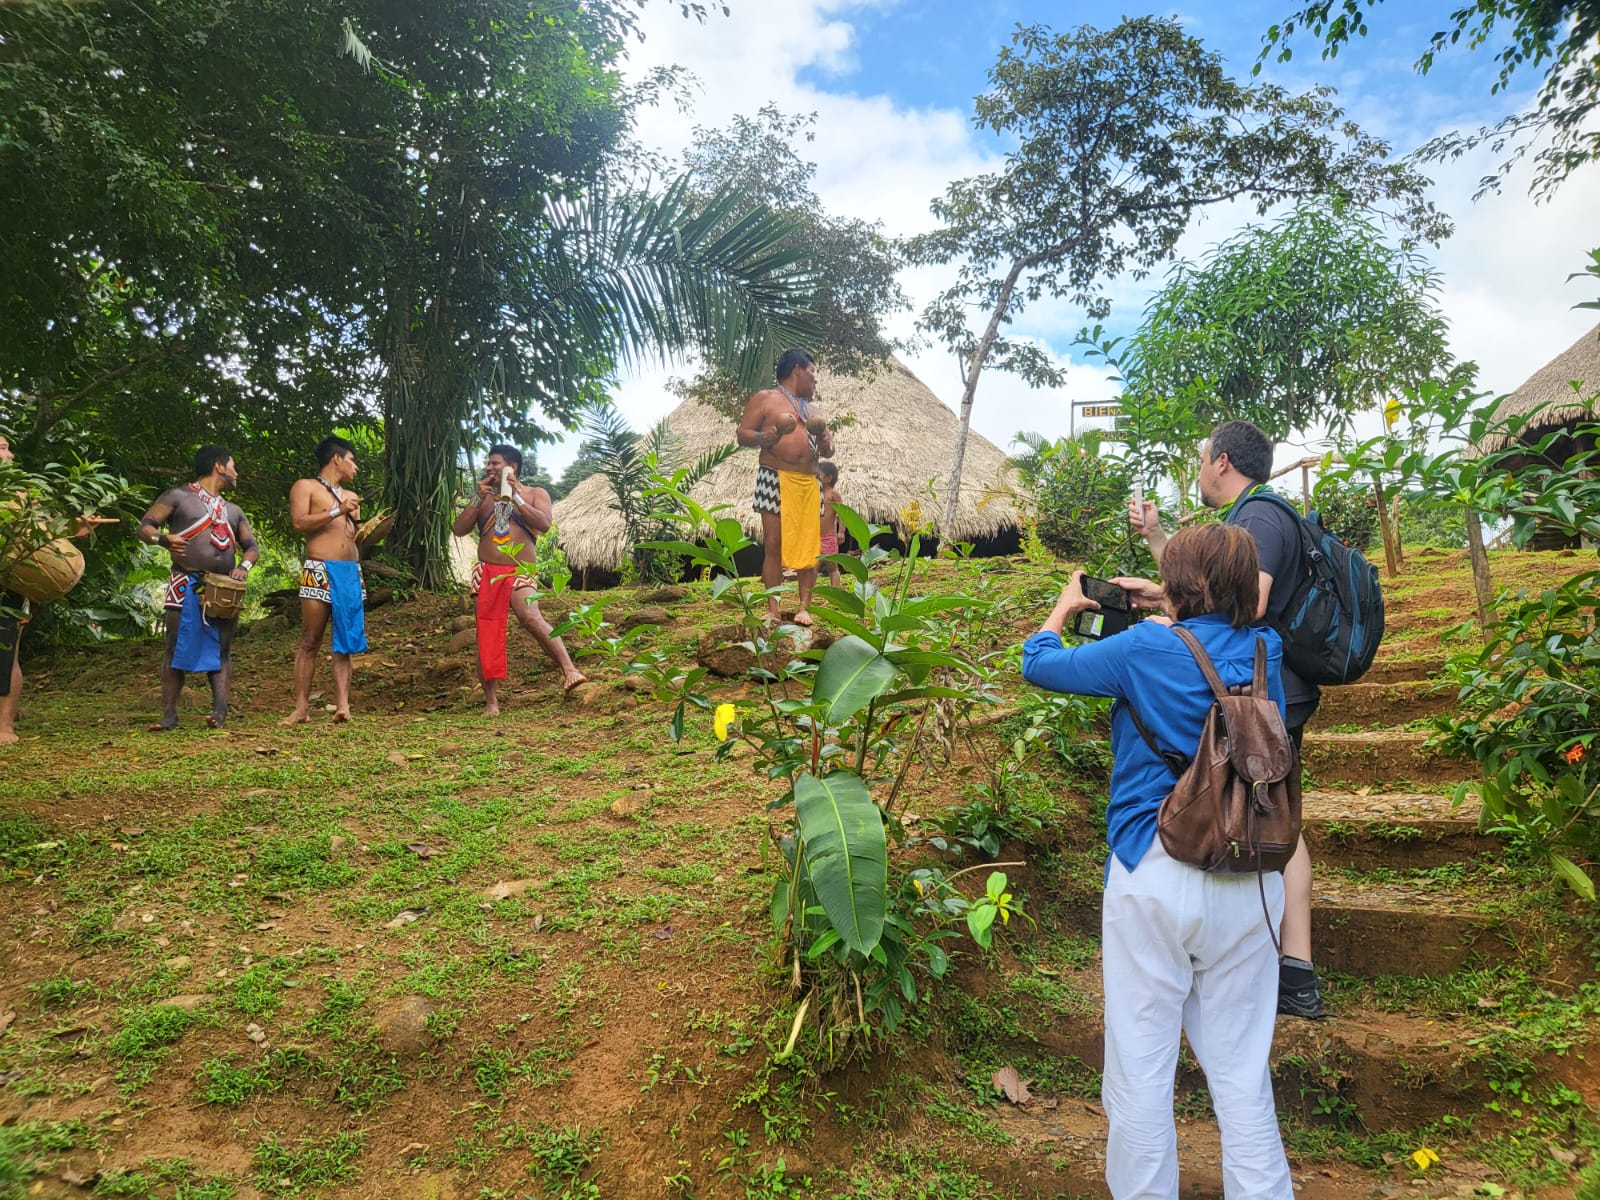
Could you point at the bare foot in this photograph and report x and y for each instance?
(802, 617)
(341, 716)
(213, 721)
(8, 737)
(491, 710)
(774, 613)
(297, 717)
(576, 679)
(160, 727)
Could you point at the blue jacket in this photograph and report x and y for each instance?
(1149, 667)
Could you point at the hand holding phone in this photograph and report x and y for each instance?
(1114, 614)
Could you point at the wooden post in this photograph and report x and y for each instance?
(1481, 584)
(1305, 485)
(1390, 557)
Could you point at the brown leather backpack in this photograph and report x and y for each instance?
(1235, 808)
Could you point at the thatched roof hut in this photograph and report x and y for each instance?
(902, 437)
(1568, 383)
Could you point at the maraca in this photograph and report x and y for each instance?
(786, 424)
(815, 425)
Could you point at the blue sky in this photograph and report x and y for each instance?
(892, 84)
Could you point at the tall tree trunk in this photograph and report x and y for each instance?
(1482, 588)
(1391, 553)
(980, 355)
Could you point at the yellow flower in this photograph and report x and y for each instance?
(721, 720)
(911, 516)
(1391, 414)
(1004, 905)
(917, 883)
(1424, 1158)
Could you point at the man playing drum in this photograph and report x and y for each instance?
(509, 517)
(330, 578)
(206, 536)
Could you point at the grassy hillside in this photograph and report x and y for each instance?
(430, 955)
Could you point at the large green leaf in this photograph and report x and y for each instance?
(851, 676)
(844, 855)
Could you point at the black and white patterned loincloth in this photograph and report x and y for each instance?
(767, 496)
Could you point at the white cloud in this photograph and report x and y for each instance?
(1504, 271)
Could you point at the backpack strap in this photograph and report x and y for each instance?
(1204, 661)
(1258, 684)
(1175, 762)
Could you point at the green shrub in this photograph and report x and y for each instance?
(1348, 510)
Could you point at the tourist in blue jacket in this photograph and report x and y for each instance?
(1184, 951)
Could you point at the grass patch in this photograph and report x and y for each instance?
(282, 1170)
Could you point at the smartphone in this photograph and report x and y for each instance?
(1114, 614)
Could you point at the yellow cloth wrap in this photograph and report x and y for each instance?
(800, 509)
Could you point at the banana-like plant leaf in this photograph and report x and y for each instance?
(851, 676)
(845, 855)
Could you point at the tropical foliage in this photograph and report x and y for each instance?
(248, 224)
(1561, 37)
(1528, 710)
(636, 466)
(840, 733)
(760, 159)
(1120, 137)
(1077, 495)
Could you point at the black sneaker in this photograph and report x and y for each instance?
(1303, 1001)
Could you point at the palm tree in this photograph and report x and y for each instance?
(614, 277)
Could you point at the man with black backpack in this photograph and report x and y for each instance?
(1234, 465)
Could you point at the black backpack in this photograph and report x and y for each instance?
(1333, 622)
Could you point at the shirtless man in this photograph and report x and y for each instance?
(792, 436)
(509, 518)
(330, 578)
(204, 534)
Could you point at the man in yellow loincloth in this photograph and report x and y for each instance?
(791, 434)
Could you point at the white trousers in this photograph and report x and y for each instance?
(1191, 952)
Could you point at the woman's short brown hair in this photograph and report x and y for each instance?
(1212, 569)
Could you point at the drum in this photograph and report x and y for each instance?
(373, 530)
(47, 574)
(222, 597)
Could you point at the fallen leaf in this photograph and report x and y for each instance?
(266, 749)
(1487, 1002)
(538, 922)
(263, 926)
(422, 849)
(1015, 1088)
(255, 1033)
(405, 917)
(75, 1034)
(131, 832)
(396, 758)
(78, 1178)
(664, 932)
(506, 888)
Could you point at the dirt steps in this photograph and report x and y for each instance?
(1402, 830)
(1386, 758)
(1388, 703)
(1415, 927)
(1400, 1070)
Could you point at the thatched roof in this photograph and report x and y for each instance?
(902, 437)
(1552, 384)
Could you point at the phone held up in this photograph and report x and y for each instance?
(1114, 614)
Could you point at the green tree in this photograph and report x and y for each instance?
(1561, 37)
(1077, 495)
(758, 158)
(1120, 136)
(226, 229)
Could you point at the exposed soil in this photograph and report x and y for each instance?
(630, 959)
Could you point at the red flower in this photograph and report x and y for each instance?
(1575, 754)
